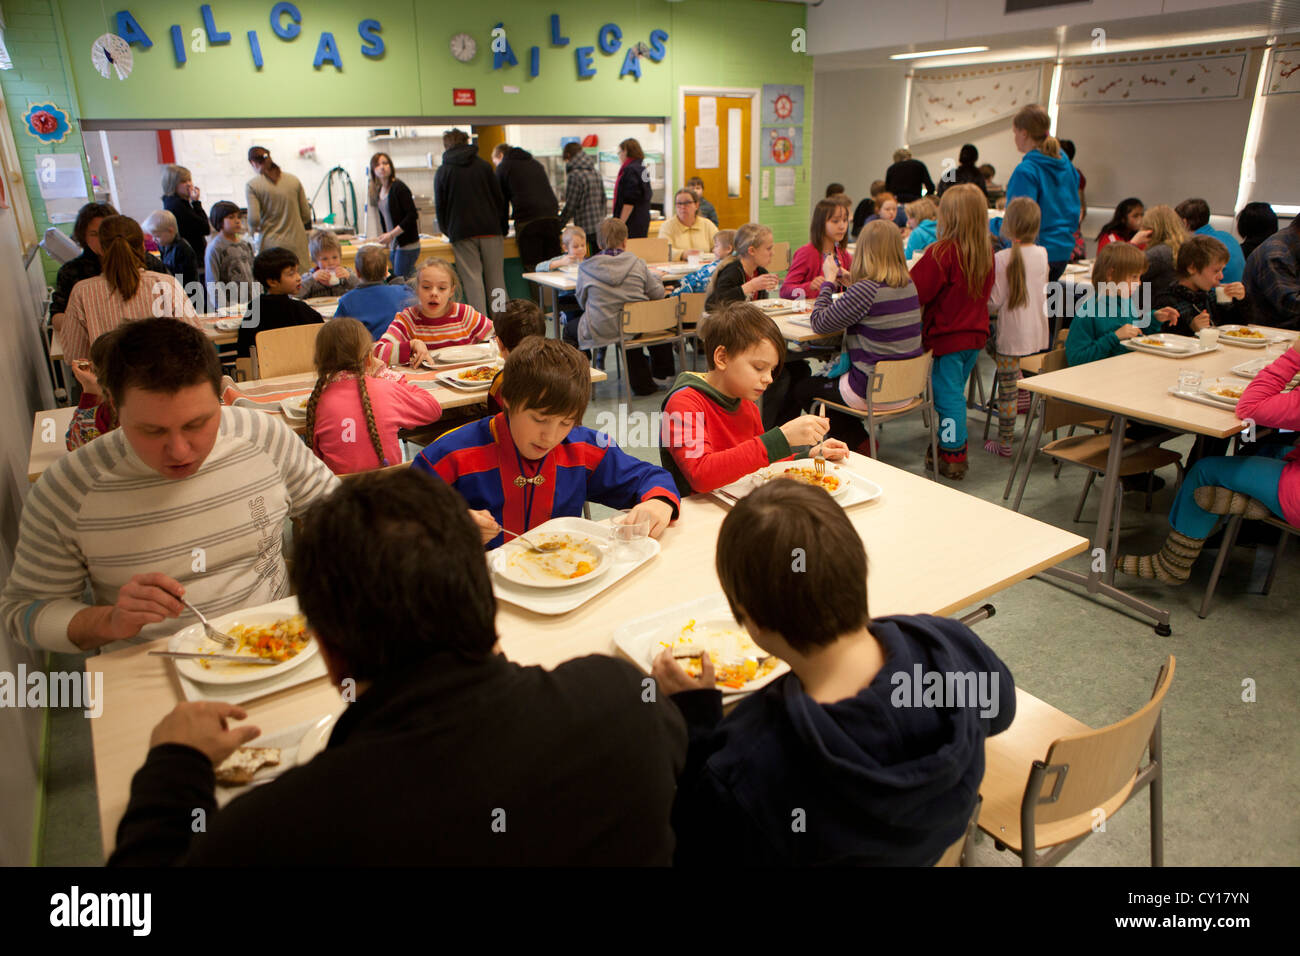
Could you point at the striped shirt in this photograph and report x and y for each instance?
(101, 515)
(462, 325)
(880, 322)
(94, 308)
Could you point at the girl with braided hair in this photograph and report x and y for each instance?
(358, 406)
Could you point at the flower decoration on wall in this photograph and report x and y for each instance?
(47, 122)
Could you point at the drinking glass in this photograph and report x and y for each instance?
(1189, 379)
(629, 536)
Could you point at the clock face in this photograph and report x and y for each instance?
(111, 54)
(463, 47)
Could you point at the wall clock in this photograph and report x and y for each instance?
(110, 53)
(463, 47)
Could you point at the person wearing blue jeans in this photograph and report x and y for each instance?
(404, 260)
(948, 377)
(1247, 485)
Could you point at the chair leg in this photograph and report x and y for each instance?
(1277, 559)
(625, 380)
(1087, 487)
(1156, 794)
(1034, 404)
(1229, 536)
(1032, 453)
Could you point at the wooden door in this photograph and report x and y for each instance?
(726, 185)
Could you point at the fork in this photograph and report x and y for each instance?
(225, 640)
(819, 463)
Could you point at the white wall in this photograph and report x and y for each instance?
(857, 123)
(24, 390)
(137, 172)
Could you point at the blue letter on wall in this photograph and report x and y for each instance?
(130, 31)
(285, 31)
(583, 55)
(256, 47)
(178, 44)
(657, 38)
(504, 57)
(611, 38)
(534, 61)
(631, 64)
(327, 51)
(210, 25)
(556, 39)
(374, 45)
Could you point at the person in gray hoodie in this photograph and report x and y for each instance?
(606, 281)
(870, 752)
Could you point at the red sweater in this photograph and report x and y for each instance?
(806, 272)
(709, 439)
(1270, 407)
(952, 321)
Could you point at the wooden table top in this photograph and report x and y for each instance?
(568, 281)
(1137, 385)
(917, 565)
(208, 320)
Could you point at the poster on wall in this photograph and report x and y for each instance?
(1283, 72)
(1154, 81)
(782, 104)
(781, 146)
(706, 147)
(945, 104)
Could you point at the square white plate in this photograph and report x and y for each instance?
(449, 378)
(1204, 399)
(563, 600)
(858, 490)
(1252, 368)
(1179, 346)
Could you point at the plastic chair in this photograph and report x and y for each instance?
(898, 380)
(1049, 779)
(650, 250)
(287, 351)
(657, 322)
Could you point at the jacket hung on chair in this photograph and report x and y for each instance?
(887, 777)
(879, 322)
(272, 311)
(710, 439)
(605, 283)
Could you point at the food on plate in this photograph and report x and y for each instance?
(1158, 343)
(1228, 391)
(737, 660)
(238, 769)
(808, 476)
(480, 373)
(562, 556)
(278, 641)
(1244, 333)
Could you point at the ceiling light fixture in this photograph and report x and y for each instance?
(953, 51)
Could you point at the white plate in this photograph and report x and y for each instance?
(295, 407)
(642, 639)
(1222, 399)
(1202, 398)
(291, 742)
(316, 739)
(832, 468)
(1252, 368)
(459, 354)
(451, 378)
(856, 490)
(562, 600)
(1179, 346)
(519, 564)
(1242, 343)
(227, 325)
(193, 639)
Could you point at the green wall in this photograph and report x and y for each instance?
(719, 43)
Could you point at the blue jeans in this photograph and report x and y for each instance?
(403, 261)
(1253, 475)
(948, 380)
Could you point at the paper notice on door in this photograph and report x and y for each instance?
(708, 111)
(767, 184)
(706, 147)
(784, 187)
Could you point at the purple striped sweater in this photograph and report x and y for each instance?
(880, 323)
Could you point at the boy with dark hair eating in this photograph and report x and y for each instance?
(276, 308)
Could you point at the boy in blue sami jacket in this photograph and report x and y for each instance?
(877, 735)
(534, 462)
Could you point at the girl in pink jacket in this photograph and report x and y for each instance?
(828, 234)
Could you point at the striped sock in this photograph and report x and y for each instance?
(1172, 564)
(1225, 501)
(995, 447)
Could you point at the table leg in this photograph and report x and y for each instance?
(555, 314)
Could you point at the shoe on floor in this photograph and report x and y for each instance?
(1139, 483)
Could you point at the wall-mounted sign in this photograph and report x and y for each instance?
(609, 38)
(462, 98)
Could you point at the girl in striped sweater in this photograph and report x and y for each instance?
(437, 321)
(352, 388)
(880, 316)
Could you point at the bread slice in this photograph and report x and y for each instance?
(238, 769)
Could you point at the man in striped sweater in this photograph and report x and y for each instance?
(186, 497)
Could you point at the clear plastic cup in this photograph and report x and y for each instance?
(1189, 379)
(629, 537)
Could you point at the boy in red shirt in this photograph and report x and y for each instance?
(712, 429)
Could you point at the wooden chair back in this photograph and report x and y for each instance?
(897, 380)
(376, 471)
(650, 250)
(287, 351)
(1052, 361)
(692, 307)
(1058, 414)
(1096, 766)
(780, 257)
(640, 318)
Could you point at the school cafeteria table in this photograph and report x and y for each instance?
(566, 281)
(208, 322)
(919, 563)
(1135, 387)
(437, 247)
(49, 444)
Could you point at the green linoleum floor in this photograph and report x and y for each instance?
(1230, 766)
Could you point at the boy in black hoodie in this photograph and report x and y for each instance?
(276, 308)
(872, 751)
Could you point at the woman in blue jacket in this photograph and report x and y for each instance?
(632, 190)
(1046, 176)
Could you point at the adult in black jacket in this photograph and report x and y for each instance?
(452, 754)
(632, 190)
(965, 171)
(472, 214)
(906, 177)
(398, 217)
(181, 199)
(534, 208)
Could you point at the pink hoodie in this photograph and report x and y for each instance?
(1265, 402)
